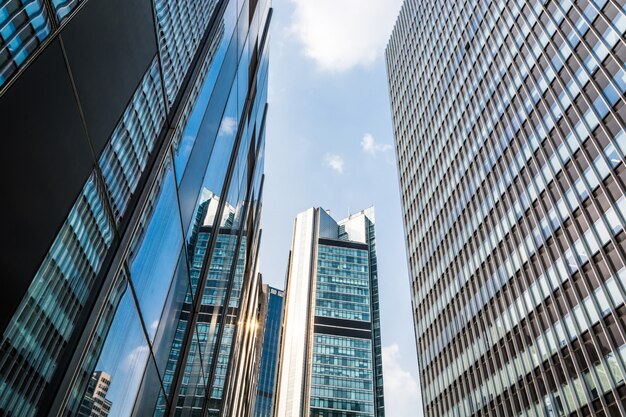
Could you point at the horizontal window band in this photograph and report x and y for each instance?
(343, 244)
(342, 331)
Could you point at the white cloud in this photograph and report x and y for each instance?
(228, 126)
(369, 145)
(334, 162)
(135, 358)
(154, 325)
(402, 397)
(341, 34)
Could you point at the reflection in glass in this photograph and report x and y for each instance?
(155, 250)
(176, 308)
(95, 402)
(197, 107)
(125, 157)
(205, 340)
(45, 320)
(124, 357)
(24, 24)
(140, 287)
(180, 25)
(64, 7)
(206, 121)
(80, 389)
(214, 174)
(223, 148)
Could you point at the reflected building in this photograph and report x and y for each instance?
(272, 325)
(140, 127)
(95, 403)
(331, 361)
(510, 133)
(209, 357)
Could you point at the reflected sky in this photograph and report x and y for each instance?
(191, 130)
(152, 267)
(124, 357)
(215, 173)
(218, 164)
(181, 154)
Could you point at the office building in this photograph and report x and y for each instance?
(273, 314)
(331, 361)
(509, 121)
(133, 162)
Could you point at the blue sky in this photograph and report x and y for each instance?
(329, 144)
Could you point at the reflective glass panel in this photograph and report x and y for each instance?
(124, 357)
(156, 248)
(24, 24)
(125, 157)
(45, 320)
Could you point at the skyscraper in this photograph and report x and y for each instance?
(509, 120)
(133, 161)
(331, 362)
(266, 391)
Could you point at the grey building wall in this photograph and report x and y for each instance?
(509, 120)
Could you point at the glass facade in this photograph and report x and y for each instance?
(125, 158)
(151, 277)
(178, 47)
(341, 354)
(24, 25)
(342, 292)
(47, 315)
(510, 138)
(266, 390)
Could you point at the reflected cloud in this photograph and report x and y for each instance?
(134, 358)
(228, 126)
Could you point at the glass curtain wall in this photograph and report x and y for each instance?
(145, 280)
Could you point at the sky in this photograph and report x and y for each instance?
(330, 144)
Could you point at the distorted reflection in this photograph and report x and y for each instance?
(208, 339)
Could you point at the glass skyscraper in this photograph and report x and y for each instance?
(266, 391)
(331, 361)
(510, 127)
(133, 165)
